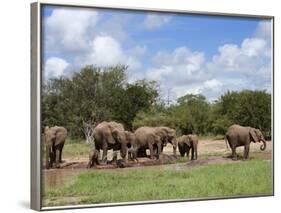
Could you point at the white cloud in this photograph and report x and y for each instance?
(107, 51)
(178, 72)
(244, 59)
(155, 21)
(114, 26)
(264, 30)
(253, 47)
(55, 67)
(212, 84)
(177, 66)
(69, 29)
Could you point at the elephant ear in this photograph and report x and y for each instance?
(187, 140)
(60, 134)
(115, 134)
(253, 135)
(170, 132)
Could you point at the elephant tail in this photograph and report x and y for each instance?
(226, 142)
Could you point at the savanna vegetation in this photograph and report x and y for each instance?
(97, 94)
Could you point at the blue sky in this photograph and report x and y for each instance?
(184, 53)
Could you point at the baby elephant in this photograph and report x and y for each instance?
(93, 158)
(187, 142)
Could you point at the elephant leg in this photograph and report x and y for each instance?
(246, 151)
(192, 153)
(60, 151)
(57, 160)
(60, 155)
(234, 154)
(135, 153)
(182, 153)
(52, 156)
(104, 153)
(195, 151)
(51, 160)
(150, 146)
(159, 147)
(130, 155)
(187, 152)
(114, 158)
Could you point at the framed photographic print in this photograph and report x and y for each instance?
(137, 105)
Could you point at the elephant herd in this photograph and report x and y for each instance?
(113, 136)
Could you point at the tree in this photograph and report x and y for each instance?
(156, 115)
(135, 97)
(192, 114)
(247, 108)
(93, 95)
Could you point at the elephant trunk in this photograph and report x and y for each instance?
(123, 150)
(263, 146)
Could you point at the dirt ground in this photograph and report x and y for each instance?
(209, 152)
(206, 148)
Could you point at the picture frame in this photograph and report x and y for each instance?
(38, 56)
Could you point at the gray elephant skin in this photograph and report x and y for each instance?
(154, 139)
(110, 135)
(93, 158)
(131, 143)
(167, 135)
(187, 142)
(237, 135)
(54, 142)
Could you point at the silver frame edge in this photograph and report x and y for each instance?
(35, 157)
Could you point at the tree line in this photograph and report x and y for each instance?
(96, 94)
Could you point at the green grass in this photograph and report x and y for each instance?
(140, 184)
(211, 137)
(76, 148)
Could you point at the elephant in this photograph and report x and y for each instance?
(187, 142)
(110, 135)
(54, 138)
(146, 138)
(237, 135)
(93, 158)
(154, 139)
(167, 135)
(131, 143)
